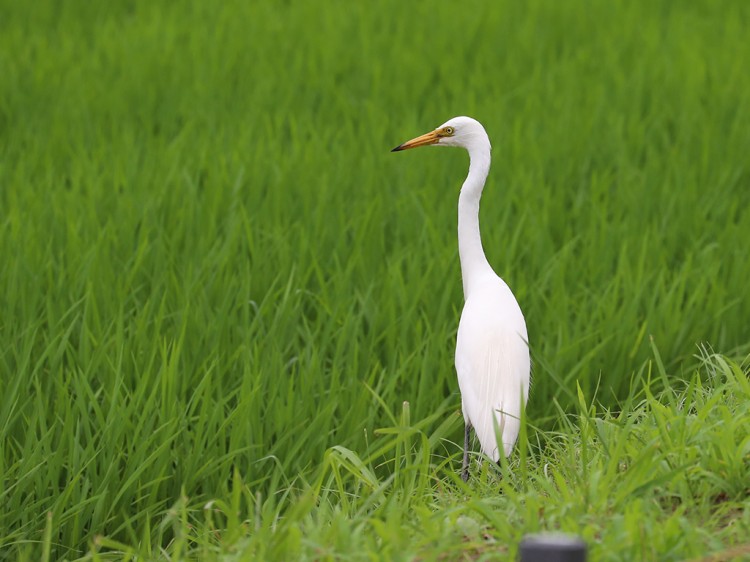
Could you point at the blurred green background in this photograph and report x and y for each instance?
(211, 260)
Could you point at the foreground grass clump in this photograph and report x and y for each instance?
(663, 477)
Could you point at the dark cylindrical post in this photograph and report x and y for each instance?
(552, 548)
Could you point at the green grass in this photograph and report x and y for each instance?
(218, 287)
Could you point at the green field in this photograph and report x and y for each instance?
(228, 312)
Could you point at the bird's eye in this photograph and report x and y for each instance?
(449, 130)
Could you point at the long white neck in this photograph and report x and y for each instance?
(474, 264)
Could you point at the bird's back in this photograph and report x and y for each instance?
(493, 364)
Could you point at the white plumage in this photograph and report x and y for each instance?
(492, 354)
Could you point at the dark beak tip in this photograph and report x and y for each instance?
(398, 148)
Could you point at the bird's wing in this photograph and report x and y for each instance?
(493, 367)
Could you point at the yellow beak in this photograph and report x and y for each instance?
(428, 138)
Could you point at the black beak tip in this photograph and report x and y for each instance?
(398, 148)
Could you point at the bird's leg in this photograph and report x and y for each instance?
(465, 467)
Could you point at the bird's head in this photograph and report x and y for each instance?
(464, 132)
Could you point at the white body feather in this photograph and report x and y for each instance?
(492, 363)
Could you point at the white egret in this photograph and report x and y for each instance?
(492, 352)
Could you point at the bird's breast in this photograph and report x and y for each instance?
(491, 307)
